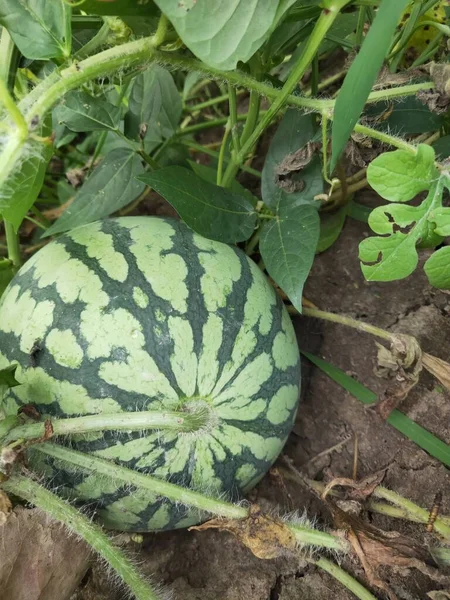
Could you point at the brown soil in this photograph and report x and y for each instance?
(210, 565)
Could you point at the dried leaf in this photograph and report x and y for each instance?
(376, 548)
(403, 362)
(439, 595)
(437, 367)
(5, 508)
(38, 559)
(265, 536)
(360, 489)
(293, 164)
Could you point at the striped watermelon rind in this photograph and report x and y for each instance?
(140, 313)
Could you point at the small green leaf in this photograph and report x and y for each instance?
(414, 432)
(81, 112)
(293, 134)
(39, 28)
(287, 244)
(208, 209)
(363, 73)
(442, 147)
(399, 176)
(331, 225)
(359, 212)
(7, 378)
(437, 268)
(223, 33)
(154, 107)
(111, 186)
(24, 186)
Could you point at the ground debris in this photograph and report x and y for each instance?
(38, 560)
(266, 536)
(376, 548)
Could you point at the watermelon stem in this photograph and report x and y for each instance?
(304, 535)
(190, 421)
(59, 510)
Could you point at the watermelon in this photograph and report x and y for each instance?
(141, 313)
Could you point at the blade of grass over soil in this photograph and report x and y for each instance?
(417, 434)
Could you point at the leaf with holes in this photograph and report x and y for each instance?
(287, 244)
(400, 176)
(223, 33)
(292, 172)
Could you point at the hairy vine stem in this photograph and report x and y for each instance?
(87, 462)
(58, 509)
(181, 422)
(138, 54)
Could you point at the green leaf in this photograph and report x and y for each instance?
(111, 186)
(399, 176)
(210, 174)
(441, 218)
(22, 190)
(331, 225)
(287, 244)
(394, 256)
(154, 104)
(437, 268)
(136, 8)
(359, 212)
(293, 133)
(81, 112)
(363, 73)
(414, 432)
(6, 274)
(223, 33)
(7, 377)
(442, 147)
(405, 117)
(208, 209)
(39, 28)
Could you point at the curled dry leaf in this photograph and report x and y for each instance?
(437, 100)
(403, 363)
(5, 508)
(266, 536)
(360, 490)
(376, 548)
(292, 164)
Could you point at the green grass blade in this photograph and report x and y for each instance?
(363, 73)
(414, 432)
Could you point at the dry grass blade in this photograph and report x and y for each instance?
(437, 367)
